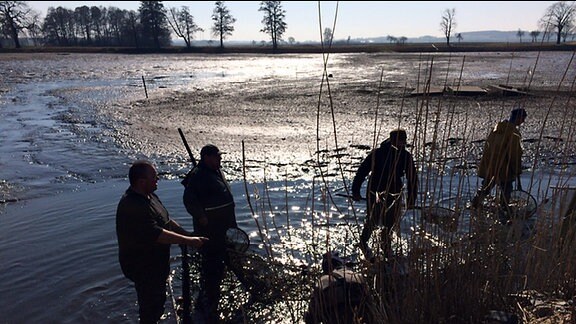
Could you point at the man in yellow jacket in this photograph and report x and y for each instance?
(501, 162)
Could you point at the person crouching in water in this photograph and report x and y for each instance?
(340, 295)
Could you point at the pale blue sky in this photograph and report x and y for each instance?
(358, 19)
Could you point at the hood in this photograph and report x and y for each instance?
(504, 127)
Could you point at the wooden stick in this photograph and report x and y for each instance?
(145, 90)
(187, 299)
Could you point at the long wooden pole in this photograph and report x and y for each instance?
(145, 90)
(187, 300)
(192, 159)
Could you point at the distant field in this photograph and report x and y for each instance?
(368, 48)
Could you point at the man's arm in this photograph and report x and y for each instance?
(360, 176)
(412, 179)
(169, 237)
(175, 227)
(193, 205)
(516, 155)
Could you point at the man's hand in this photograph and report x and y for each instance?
(197, 241)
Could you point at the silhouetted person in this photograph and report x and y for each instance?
(501, 162)
(341, 296)
(145, 232)
(209, 200)
(387, 165)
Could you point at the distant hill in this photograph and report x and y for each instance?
(487, 36)
(491, 36)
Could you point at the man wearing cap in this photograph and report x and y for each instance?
(387, 165)
(208, 199)
(501, 162)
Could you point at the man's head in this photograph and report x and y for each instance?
(211, 156)
(143, 177)
(518, 116)
(398, 138)
(331, 261)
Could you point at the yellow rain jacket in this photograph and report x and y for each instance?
(502, 155)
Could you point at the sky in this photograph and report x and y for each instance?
(354, 19)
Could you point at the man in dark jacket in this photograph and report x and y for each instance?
(387, 165)
(208, 199)
(145, 232)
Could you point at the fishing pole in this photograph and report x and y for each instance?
(192, 159)
(187, 300)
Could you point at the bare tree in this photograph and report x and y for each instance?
(520, 33)
(558, 17)
(84, 21)
(34, 30)
(223, 22)
(274, 24)
(58, 26)
(459, 37)
(567, 31)
(183, 25)
(534, 35)
(448, 24)
(118, 21)
(15, 17)
(327, 36)
(133, 27)
(391, 39)
(98, 18)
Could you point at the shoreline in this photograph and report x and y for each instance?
(311, 48)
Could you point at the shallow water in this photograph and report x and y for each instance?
(59, 158)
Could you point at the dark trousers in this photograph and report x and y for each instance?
(212, 267)
(151, 291)
(384, 211)
(215, 260)
(505, 188)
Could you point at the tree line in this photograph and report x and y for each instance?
(151, 26)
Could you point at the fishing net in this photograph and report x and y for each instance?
(237, 240)
(445, 218)
(522, 204)
(255, 287)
